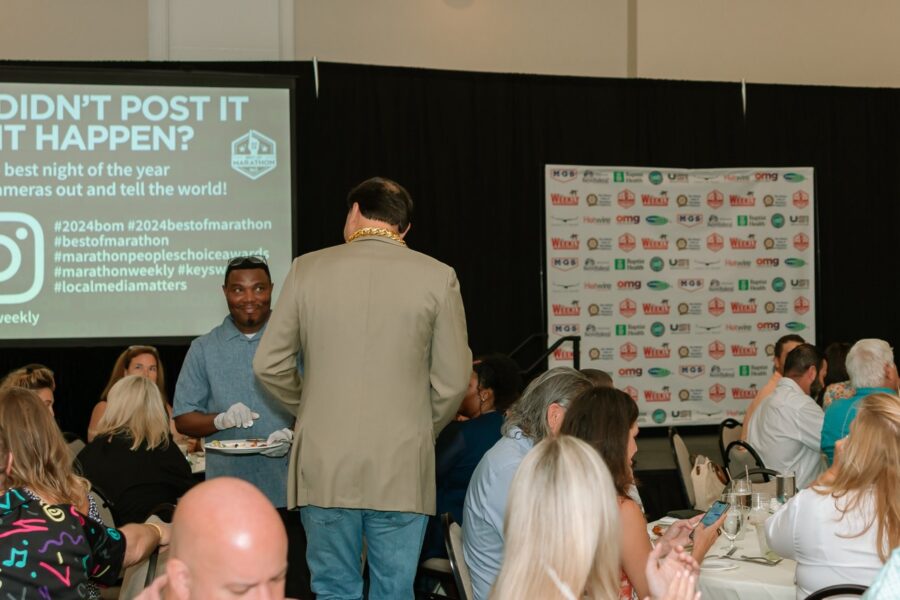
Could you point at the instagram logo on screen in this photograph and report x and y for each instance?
(21, 257)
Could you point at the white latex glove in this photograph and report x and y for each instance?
(237, 415)
(279, 443)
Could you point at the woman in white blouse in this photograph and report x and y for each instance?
(843, 527)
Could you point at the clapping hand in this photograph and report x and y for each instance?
(672, 578)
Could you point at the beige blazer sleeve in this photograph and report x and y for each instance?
(275, 362)
(451, 359)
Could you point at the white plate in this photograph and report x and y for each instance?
(718, 564)
(248, 446)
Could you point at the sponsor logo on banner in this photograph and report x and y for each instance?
(717, 393)
(716, 349)
(655, 244)
(661, 352)
(691, 371)
(717, 221)
(765, 176)
(564, 200)
(563, 175)
(739, 201)
(738, 328)
(657, 285)
(625, 198)
(566, 287)
(630, 264)
(677, 177)
(768, 326)
(795, 326)
(628, 352)
(567, 310)
(592, 200)
(656, 309)
(655, 177)
(596, 265)
(627, 242)
(743, 393)
(635, 395)
(656, 220)
(587, 220)
(595, 177)
(715, 199)
(651, 200)
(679, 264)
(716, 285)
(682, 201)
(709, 329)
(742, 350)
(799, 284)
(628, 220)
(778, 284)
(657, 264)
(597, 286)
(799, 220)
(738, 264)
(687, 243)
(594, 331)
(795, 262)
(716, 306)
(717, 371)
(680, 328)
(767, 262)
(564, 263)
(690, 284)
(778, 220)
(689, 219)
(657, 329)
(801, 241)
(690, 352)
(566, 329)
(742, 308)
(663, 395)
(631, 372)
(564, 222)
(748, 243)
(794, 177)
(629, 284)
(627, 307)
(714, 242)
(563, 354)
(628, 329)
(768, 200)
(570, 243)
(800, 199)
(801, 305)
(658, 372)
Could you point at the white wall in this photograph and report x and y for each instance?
(832, 42)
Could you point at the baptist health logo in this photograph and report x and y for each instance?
(18, 285)
(253, 154)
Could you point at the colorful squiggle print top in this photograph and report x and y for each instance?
(49, 552)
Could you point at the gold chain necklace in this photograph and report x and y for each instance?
(376, 232)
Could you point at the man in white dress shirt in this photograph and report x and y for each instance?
(788, 424)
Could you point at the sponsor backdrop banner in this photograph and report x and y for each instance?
(679, 282)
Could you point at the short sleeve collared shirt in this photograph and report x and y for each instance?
(217, 373)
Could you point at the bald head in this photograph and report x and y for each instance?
(227, 540)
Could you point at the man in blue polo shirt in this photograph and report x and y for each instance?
(219, 398)
(870, 364)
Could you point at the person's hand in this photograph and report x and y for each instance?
(164, 530)
(237, 415)
(155, 591)
(705, 537)
(279, 443)
(682, 587)
(661, 573)
(679, 532)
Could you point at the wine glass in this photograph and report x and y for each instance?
(733, 524)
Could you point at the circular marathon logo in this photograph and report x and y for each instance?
(655, 177)
(657, 329)
(657, 264)
(778, 220)
(778, 284)
(659, 415)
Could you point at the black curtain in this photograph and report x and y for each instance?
(470, 147)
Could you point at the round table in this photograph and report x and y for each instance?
(749, 581)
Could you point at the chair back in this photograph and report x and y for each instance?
(683, 465)
(454, 541)
(104, 506)
(142, 574)
(730, 430)
(836, 591)
(741, 455)
(75, 446)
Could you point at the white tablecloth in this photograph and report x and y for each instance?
(749, 581)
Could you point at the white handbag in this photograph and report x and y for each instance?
(709, 481)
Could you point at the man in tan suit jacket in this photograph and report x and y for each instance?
(382, 333)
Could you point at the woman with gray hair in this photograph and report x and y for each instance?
(870, 365)
(537, 415)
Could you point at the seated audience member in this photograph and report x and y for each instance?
(227, 541)
(837, 381)
(870, 364)
(843, 527)
(62, 549)
(787, 427)
(606, 418)
(143, 361)
(131, 459)
(562, 532)
(598, 378)
(783, 346)
(538, 414)
(494, 387)
(35, 377)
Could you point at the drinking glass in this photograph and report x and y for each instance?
(733, 524)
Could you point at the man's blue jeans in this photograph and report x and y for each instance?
(334, 547)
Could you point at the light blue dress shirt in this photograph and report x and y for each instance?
(217, 372)
(485, 507)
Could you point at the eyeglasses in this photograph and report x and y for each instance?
(243, 261)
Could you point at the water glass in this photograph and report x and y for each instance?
(785, 486)
(733, 524)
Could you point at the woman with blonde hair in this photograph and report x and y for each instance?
(131, 458)
(38, 486)
(843, 528)
(562, 531)
(35, 377)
